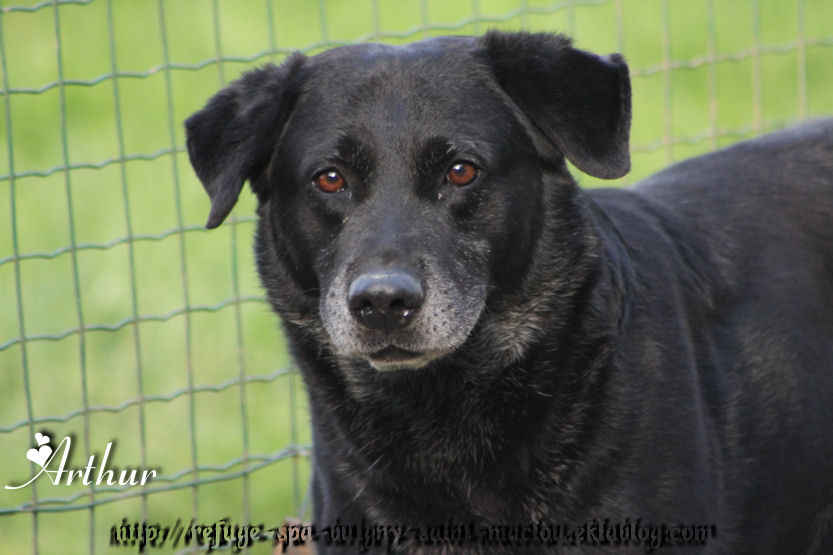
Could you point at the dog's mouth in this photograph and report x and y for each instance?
(396, 358)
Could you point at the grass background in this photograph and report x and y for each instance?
(122, 320)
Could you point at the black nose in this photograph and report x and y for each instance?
(385, 301)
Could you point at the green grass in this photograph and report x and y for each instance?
(697, 85)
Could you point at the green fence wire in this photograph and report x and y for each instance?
(125, 321)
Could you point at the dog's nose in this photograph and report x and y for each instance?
(385, 301)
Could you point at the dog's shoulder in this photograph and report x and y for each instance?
(784, 177)
(727, 216)
(797, 159)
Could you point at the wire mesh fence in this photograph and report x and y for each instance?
(126, 323)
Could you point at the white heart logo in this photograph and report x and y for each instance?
(41, 439)
(40, 455)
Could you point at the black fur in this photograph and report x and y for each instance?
(662, 353)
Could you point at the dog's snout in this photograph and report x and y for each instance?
(385, 301)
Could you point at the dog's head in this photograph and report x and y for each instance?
(400, 187)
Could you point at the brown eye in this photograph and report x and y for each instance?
(329, 181)
(461, 173)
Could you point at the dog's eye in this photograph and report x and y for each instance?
(329, 181)
(462, 173)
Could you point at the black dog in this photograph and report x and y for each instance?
(503, 362)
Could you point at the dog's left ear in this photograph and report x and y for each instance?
(232, 139)
(580, 102)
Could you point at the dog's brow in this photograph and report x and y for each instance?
(355, 153)
(435, 152)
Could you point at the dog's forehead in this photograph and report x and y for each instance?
(436, 45)
(395, 99)
(442, 74)
(379, 57)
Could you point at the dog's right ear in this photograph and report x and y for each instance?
(233, 137)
